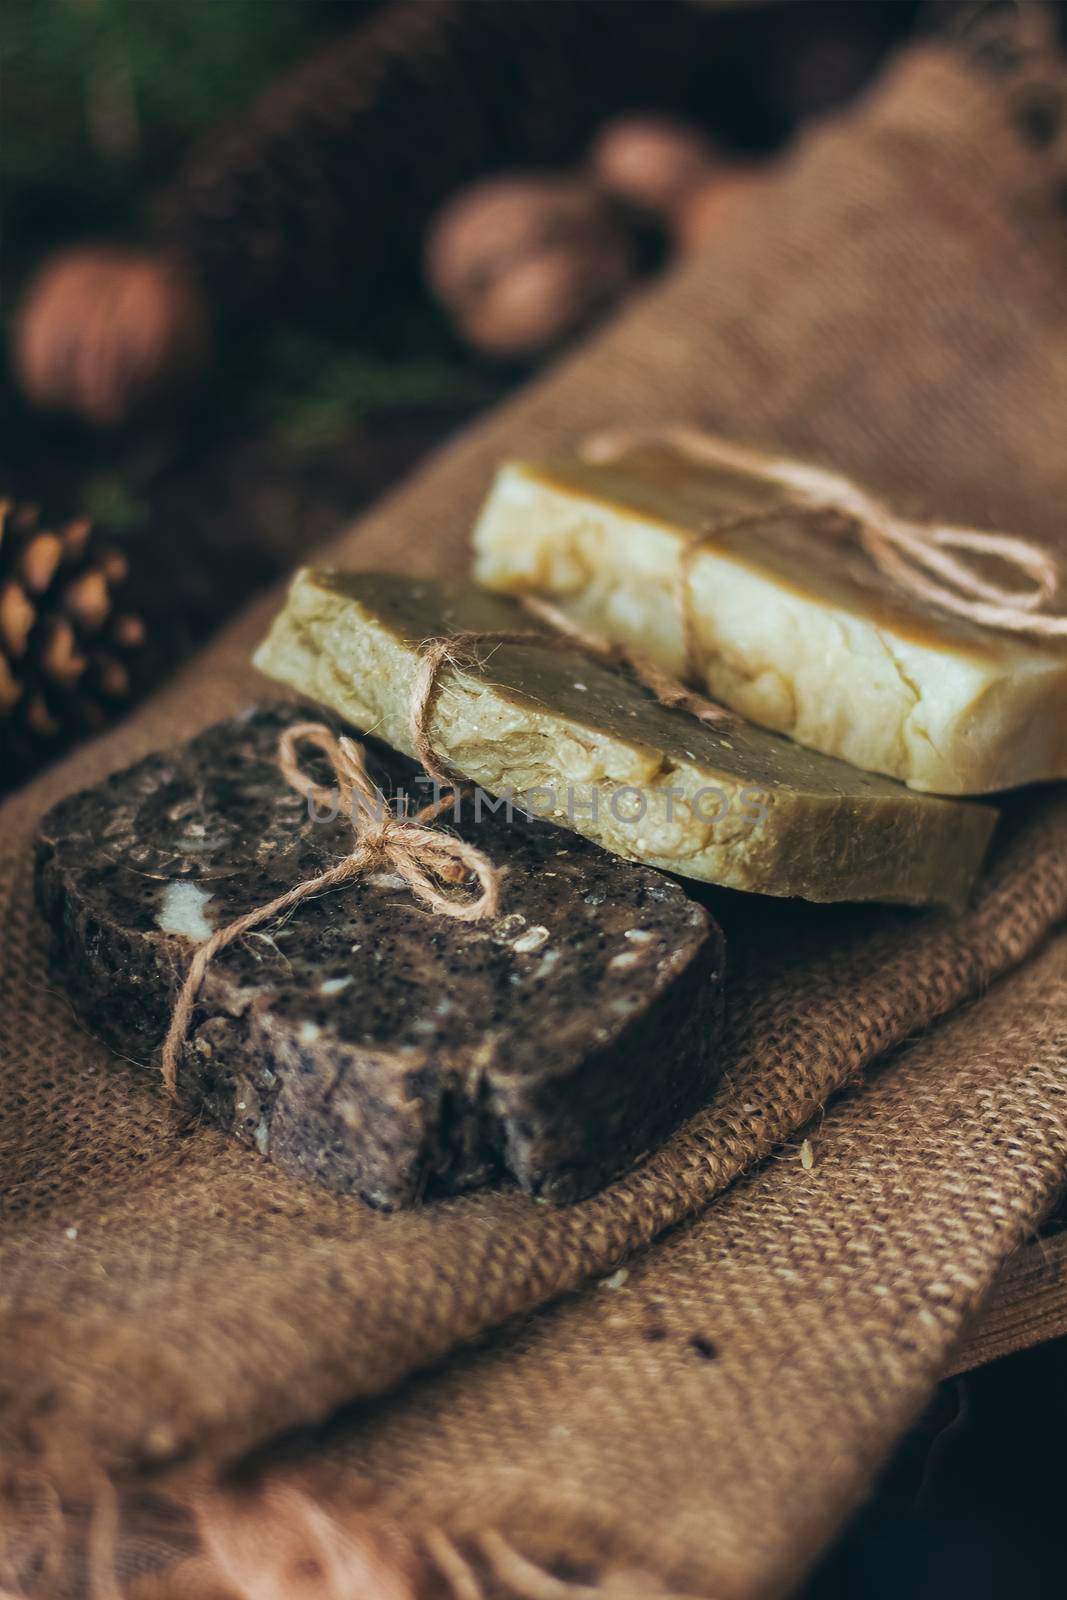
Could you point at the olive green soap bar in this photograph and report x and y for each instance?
(585, 745)
(792, 624)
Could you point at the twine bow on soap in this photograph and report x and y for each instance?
(920, 557)
(425, 857)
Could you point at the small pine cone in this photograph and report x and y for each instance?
(68, 652)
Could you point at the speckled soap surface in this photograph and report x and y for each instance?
(364, 1041)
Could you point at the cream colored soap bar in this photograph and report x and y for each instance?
(792, 625)
(586, 745)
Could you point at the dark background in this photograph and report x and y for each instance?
(971, 1507)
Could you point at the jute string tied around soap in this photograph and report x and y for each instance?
(918, 556)
(424, 856)
(460, 650)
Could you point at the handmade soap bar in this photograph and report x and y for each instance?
(791, 623)
(364, 1041)
(586, 744)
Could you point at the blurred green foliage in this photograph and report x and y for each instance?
(314, 390)
(99, 95)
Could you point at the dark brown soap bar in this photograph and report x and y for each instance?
(365, 1041)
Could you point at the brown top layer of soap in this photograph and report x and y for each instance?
(545, 721)
(819, 559)
(561, 679)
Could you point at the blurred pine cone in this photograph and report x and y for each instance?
(67, 650)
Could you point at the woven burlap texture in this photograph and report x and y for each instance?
(893, 300)
(709, 1415)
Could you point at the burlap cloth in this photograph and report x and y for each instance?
(894, 299)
